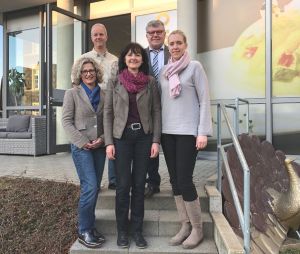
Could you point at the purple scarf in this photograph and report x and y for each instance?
(133, 84)
(173, 68)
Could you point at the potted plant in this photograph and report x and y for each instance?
(16, 83)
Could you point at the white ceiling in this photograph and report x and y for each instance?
(9, 5)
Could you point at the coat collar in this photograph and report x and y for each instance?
(120, 89)
(82, 94)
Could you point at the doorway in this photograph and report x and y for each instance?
(118, 30)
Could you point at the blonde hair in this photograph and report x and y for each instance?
(77, 68)
(98, 25)
(180, 33)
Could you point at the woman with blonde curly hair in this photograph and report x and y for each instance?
(82, 120)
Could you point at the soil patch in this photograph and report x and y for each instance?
(37, 216)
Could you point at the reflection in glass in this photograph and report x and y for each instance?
(23, 73)
(256, 120)
(66, 47)
(231, 47)
(22, 112)
(286, 127)
(286, 48)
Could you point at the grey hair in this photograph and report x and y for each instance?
(155, 23)
(77, 68)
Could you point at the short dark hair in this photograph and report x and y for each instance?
(136, 49)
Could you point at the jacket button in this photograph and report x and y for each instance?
(95, 126)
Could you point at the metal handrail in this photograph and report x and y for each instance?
(244, 217)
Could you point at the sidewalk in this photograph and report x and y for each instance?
(60, 167)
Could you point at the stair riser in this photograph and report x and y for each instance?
(153, 228)
(155, 203)
(156, 246)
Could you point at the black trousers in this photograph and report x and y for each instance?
(180, 154)
(132, 156)
(153, 175)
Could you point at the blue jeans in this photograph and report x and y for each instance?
(89, 165)
(111, 172)
(132, 156)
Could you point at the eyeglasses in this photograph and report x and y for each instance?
(85, 72)
(158, 32)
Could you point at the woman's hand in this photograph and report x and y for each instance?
(201, 142)
(87, 146)
(110, 152)
(96, 143)
(154, 150)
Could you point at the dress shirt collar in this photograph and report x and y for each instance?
(161, 48)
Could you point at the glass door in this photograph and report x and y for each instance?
(65, 43)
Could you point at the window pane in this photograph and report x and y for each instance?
(1, 67)
(256, 123)
(23, 78)
(66, 47)
(286, 126)
(286, 48)
(231, 46)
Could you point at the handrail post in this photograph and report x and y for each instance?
(236, 117)
(246, 218)
(219, 183)
(247, 211)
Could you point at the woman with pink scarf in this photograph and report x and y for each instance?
(132, 128)
(186, 123)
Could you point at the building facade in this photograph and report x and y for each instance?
(249, 49)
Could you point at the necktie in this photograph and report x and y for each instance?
(155, 63)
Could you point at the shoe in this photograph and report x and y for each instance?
(89, 240)
(122, 240)
(150, 190)
(112, 186)
(98, 235)
(140, 241)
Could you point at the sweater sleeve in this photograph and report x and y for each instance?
(202, 88)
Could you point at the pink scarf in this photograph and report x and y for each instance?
(133, 84)
(172, 71)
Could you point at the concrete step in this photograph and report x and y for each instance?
(160, 201)
(156, 245)
(156, 223)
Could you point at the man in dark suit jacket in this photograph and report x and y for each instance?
(158, 55)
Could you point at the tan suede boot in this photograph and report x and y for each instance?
(194, 212)
(185, 229)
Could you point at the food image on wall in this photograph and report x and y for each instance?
(248, 55)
